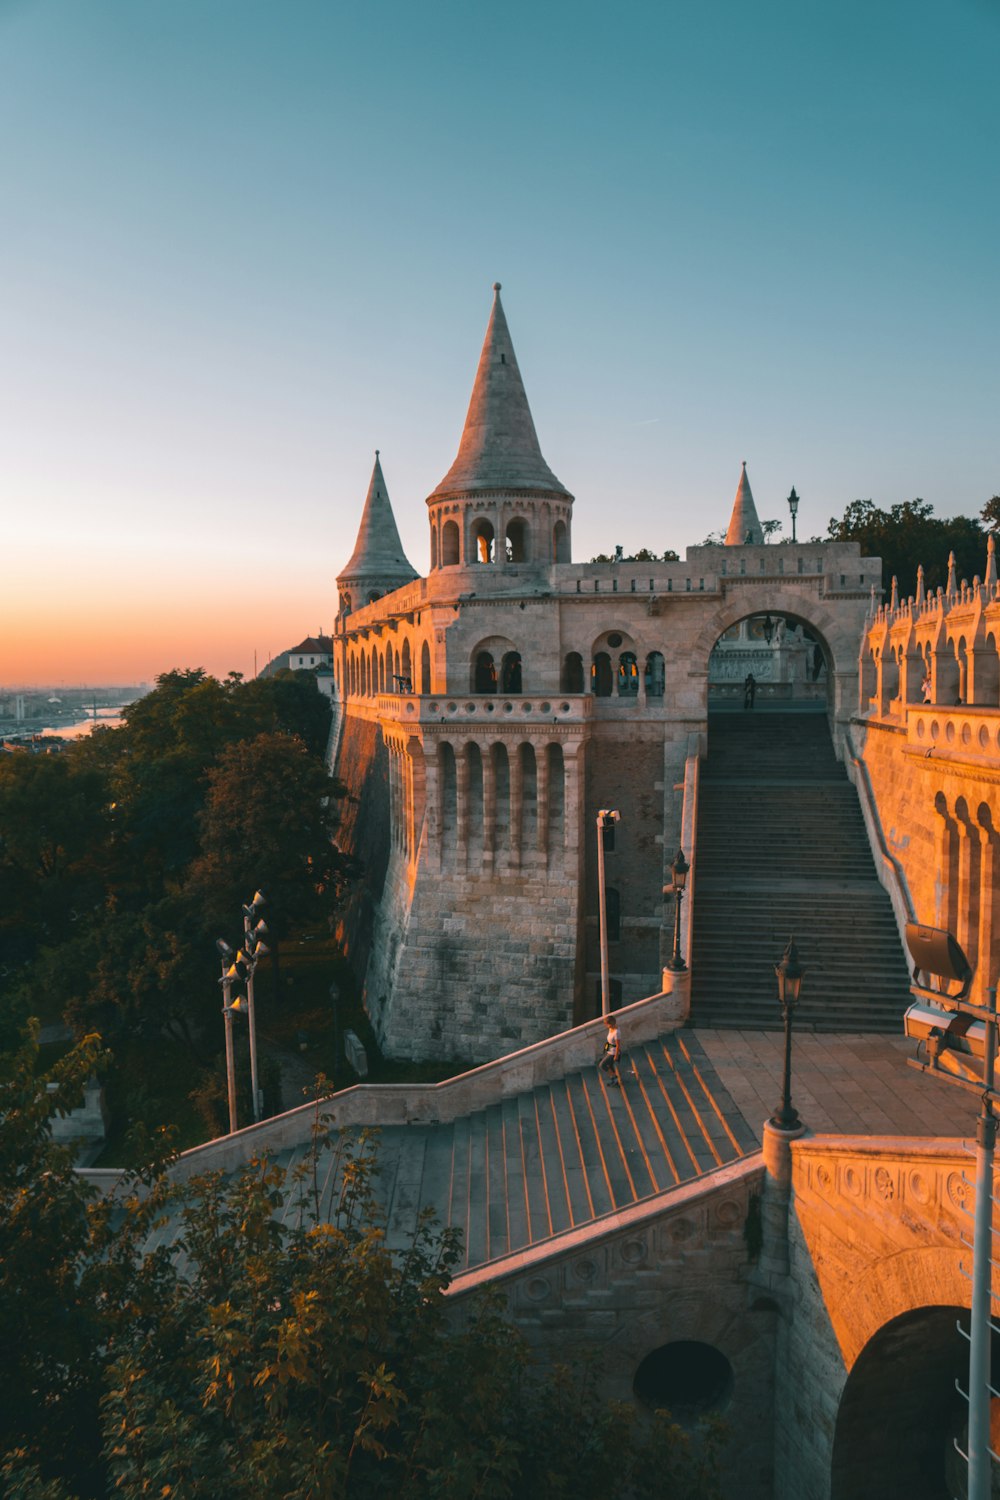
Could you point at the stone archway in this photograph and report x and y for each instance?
(899, 1410)
(839, 648)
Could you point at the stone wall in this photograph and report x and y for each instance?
(934, 774)
(874, 1237)
(668, 1271)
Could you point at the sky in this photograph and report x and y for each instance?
(243, 243)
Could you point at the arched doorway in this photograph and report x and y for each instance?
(899, 1411)
(786, 656)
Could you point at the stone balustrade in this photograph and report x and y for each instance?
(494, 709)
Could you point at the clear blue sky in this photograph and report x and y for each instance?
(245, 243)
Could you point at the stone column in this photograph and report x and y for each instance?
(943, 894)
(462, 805)
(489, 808)
(516, 773)
(573, 833)
(985, 975)
(966, 896)
(542, 795)
(772, 1264)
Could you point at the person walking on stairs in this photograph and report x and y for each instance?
(612, 1053)
(749, 690)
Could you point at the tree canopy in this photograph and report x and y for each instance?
(270, 1350)
(908, 535)
(123, 857)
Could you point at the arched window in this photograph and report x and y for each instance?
(510, 673)
(484, 675)
(425, 668)
(372, 596)
(600, 675)
(628, 675)
(517, 541)
(406, 669)
(573, 673)
(655, 675)
(483, 538)
(449, 544)
(560, 542)
(434, 547)
(345, 604)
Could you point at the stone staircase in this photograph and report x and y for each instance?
(782, 851)
(560, 1157)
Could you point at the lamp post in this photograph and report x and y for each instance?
(793, 506)
(678, 876)
(227, 957)
(768, 629)
(254, 949)
(789, 973)
(606, 816)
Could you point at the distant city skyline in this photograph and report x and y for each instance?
(245, 245)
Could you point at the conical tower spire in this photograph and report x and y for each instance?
(499, 448)
(378, 563)
(744, 527)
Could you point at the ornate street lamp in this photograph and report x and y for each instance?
(768, 628)
(606, 816)
(254, 949)
(229, 973)
(793, 506)
(789, 973)
(678, 877)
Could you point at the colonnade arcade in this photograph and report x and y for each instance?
(484, 804)
(469, 533)
(966, 861)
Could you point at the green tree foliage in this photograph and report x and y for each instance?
(280, 1349)
(908, 535)
(644, 554)
(990, 515)
(120, 856)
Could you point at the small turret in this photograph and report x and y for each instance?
(378, 563)
(499, 502)
(744, 526)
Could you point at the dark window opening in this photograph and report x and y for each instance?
(686, 1378)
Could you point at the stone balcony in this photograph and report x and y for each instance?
(480, 709)
(964, 732)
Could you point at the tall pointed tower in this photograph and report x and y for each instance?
(378, 563)
(499, 502)
(744, 527)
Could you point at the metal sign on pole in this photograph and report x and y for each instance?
(959, 1039)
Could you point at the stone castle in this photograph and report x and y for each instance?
(486, 713)
(805, 1286)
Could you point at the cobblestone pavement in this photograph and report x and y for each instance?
(851, 1085)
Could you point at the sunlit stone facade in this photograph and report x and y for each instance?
(486, 712)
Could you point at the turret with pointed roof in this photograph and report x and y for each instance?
(744, 527)
(499, 481)
(378, 563)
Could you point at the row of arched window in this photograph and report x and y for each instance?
(391, 670)
(387, 671)
(609, 675)
(518, 543)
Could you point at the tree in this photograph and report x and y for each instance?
(266, 821)
(644, 554)
(908, 535)
(990, 515)
(274, 1349)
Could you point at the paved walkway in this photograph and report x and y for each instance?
(850, 1085)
